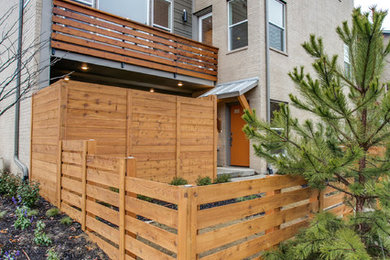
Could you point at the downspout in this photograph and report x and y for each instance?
(267, 75)
(17, 161)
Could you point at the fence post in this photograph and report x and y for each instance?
(187, 226)
(122, 209)
(131, 172)
(59, 174)
(321, 197)
(84, 184)
(178, 131)
(273, 211)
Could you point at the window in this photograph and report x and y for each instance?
(162, 14)
(277, 24)
(347, 63)
(206, 29)
(136, 10)
(275, 106)
(86, 2)
(238, 24)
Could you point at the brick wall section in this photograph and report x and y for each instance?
(31, 32)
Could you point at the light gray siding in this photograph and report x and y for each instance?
(180, 27)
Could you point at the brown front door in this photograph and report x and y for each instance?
(239, 145)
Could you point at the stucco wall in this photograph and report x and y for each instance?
(304, 17)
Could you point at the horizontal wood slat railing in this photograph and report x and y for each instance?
(81, 29)
(130, 217)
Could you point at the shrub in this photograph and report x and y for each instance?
(51, 254)
(203, 181)
(40, 237)
(222, 178)
(67, 221)
(177, 181)
(32, 212)
(29, 192)
(145, 198)
(22, 221)
(9, 185)
(52, 212)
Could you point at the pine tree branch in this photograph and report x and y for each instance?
(340, 189)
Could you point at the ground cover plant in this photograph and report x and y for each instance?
(27, 233)
(346, 146)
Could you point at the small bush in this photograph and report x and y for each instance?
(177, 181)
(203, 181)
(52, 212)
(222, 178)
(145, 198)
(32, 212)
(51, 254)
(29, 192)
(67, 221)
(22, 221)
(9, 185)
(2, 214)
(40, 237)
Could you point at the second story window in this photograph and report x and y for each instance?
(347, 63)
(206, 29)
(277, 25)
(238, 24)
(162, 13)
(136, 10)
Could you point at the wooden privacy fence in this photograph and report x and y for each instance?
(130, 217)
(169, 135)
(81, 29)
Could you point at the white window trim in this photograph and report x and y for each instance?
(283, 28)
(171, 20)
(86, 2)
(200, 27)
(233, 25)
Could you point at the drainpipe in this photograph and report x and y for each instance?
(267, 75)
(21, 165)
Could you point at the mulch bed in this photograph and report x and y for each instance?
(69, 242)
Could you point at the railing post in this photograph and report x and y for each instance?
(122, 209)
(59, 174)
(187, 226)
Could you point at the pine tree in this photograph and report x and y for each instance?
(351, 116)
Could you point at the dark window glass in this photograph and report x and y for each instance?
(239, 36)
(162, 13)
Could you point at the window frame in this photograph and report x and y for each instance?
(284, 4)
(170, 20)
(347, 61)
(200, 25)
(233, 25)
(91, 3)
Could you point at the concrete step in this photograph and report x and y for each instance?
(235, 172)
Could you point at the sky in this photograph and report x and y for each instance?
(381, 4)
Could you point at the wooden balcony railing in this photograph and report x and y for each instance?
(84, 30)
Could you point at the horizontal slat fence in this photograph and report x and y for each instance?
(171, 136)
(81, 29)
(130, 217)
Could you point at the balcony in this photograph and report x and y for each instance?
(87, 31)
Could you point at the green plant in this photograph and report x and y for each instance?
(116, 190)
(22, 221)
(40, 237)
(51, 254)
(52, 212)
(202, 181)
(67, 221)
(9, 185)
(177, 181)
(29, 192)
(2, 214)
(345, 145)
(250, 197)
(32, 212)
(222, 178)
(145, 198)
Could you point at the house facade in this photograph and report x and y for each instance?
(168, 46)
(239, 30)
